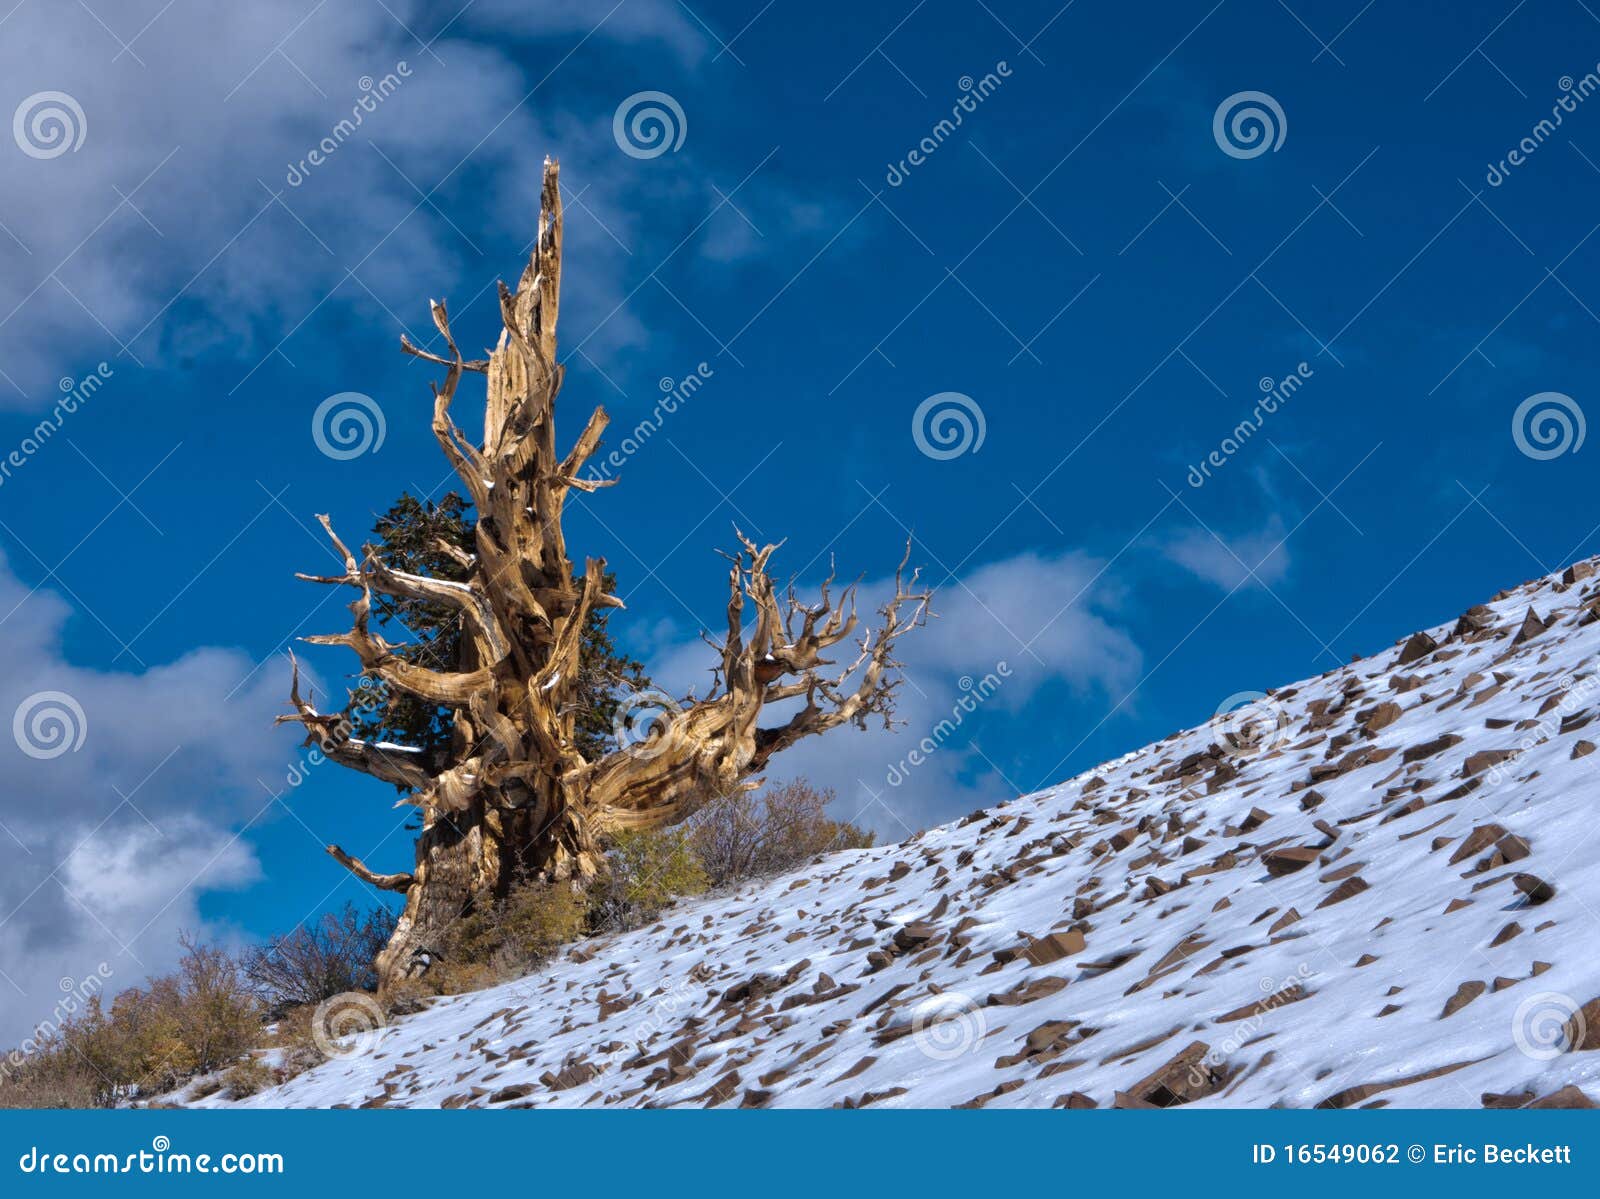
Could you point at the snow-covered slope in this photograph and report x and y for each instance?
(1377, 886)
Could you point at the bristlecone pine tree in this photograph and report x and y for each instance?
(514, 798)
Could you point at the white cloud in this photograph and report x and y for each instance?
(1252, 559)
(106, 849)
(161, 230)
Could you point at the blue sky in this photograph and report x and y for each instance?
(1080, 258)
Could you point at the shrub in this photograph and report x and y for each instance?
(746, 836)
(504, 939)
(293, 1035)
(152, 1038)
(248, 1076)
(647, 871)
(217, 1016)
(51, 1077)
(320, 960)
(406, 998)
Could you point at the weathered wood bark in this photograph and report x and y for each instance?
(516, 799)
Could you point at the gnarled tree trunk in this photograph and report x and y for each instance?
(516, 799)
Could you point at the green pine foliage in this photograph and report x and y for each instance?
(407, 537)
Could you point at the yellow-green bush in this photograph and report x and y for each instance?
(151, 1039)
(502, 939)
(647, 871)
(249, 1076)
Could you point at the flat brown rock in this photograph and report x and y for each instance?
(1420, 645)
(1428, 748)
(1582, 1030)
(1287, 859)
(1478, 840)
(1379, 717)
(1464, 995)
(1346, 889)
(1182, 1079)
(1567, 1097)
(1054, 947)
(1534, 887)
